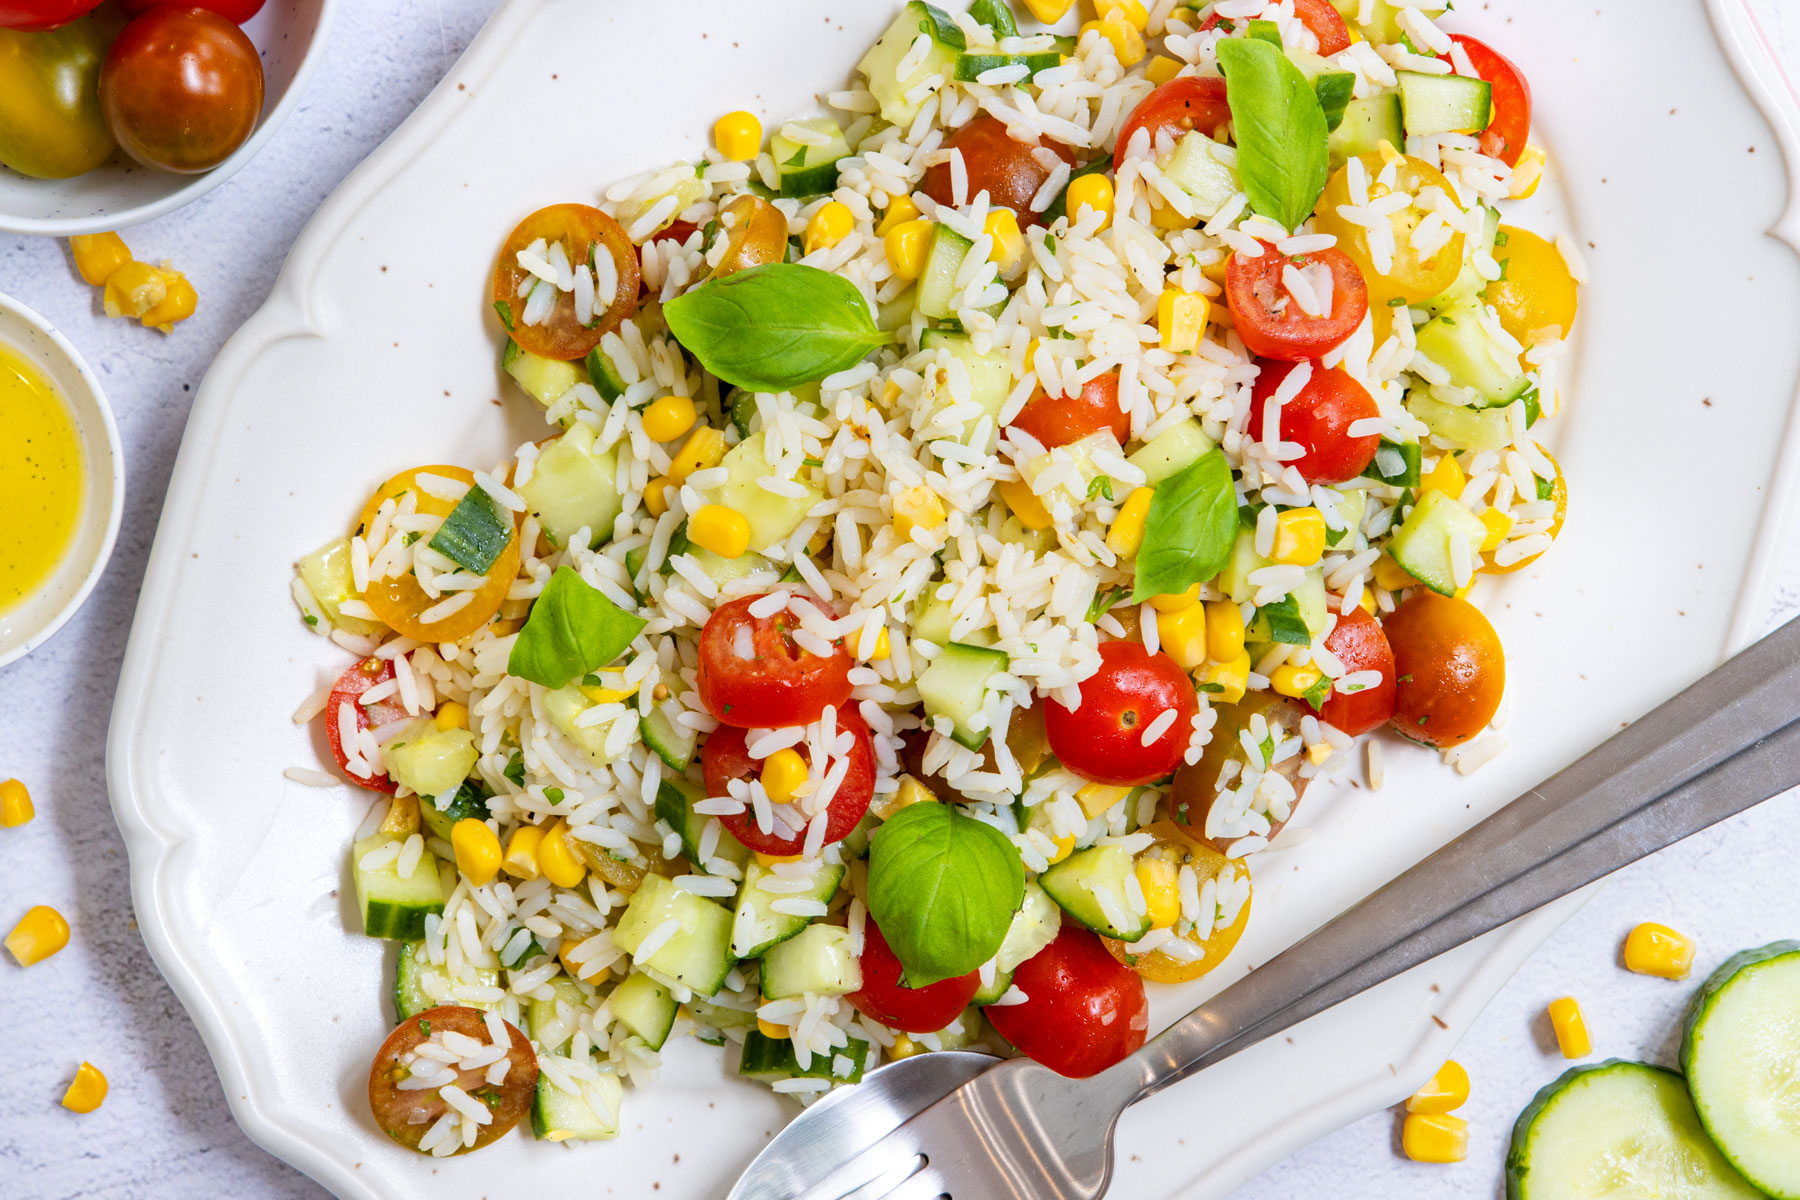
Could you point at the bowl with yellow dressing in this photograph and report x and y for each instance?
(62, 480)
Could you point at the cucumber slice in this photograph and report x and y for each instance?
(1332, 86)
(727, 570)
(1033, 927)
(1295, 619)
(955, 685)
(326, 572)
(990, 992)
(1234, 580)
(970, 67)
(564, 706)
(675, 801)
(543, 379)
(1444, 103)
(1078, 882)
(718, 1016)
(809, 170)
(773, 1058)
(673, 743)
(1460, 341)
(1738, 1046)
(937, 283)
(990, 382)
(771, 517)
(393, 907)
(559, 1116)
(429, 760)
(1350, 510)
(1617, 1128)
(1469, 284)
(645, 1007)
(607, 379)
(1171, 452)
(420, 984)
(1461, 426)
(698, 954)
(881, 65)
(1195, 165)
(548, 1027)
(572, 484)
(817, 960)
(466, 802)
(1367, 123)
(856, 842)
(756, 926)
(1422, 543)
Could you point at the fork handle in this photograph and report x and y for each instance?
(1728, 742)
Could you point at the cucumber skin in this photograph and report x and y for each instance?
(1517, 1169)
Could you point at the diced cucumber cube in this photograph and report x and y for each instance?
(429, 760)
(558, 1116)
(1195, 165)
(756, 926)
(1422, 544)
(645, 1007)
(956, 685)
(817, 960)
(694, 932)
(1089, 885)
(1171, 452)
(392, 906)
(571, 485)
(771, 517)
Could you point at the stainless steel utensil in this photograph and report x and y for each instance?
(977, 1128)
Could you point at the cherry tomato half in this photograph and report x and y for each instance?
(1195, 790)
(726, 757)
(236, 11)
(1103, 740)
(1319, 418)
(1450, 669)
(754, 675)
(1320, 19)
(997, 163)
(756, 233)
(348, 689)
(1271, 321)
(1559, 496)
(1059, 420)
(51, 126)
(1360, 645)
(914, 1010)
(1510, 127)
(1409, 276)
(1178, 848)
(583, 232)
(182, 88)
(1535, 291)
(405, 1115)
(1083, 1011)
(1185, 102)
(41, 16)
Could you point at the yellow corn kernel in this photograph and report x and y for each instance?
(558, 860)
(402, 818)
(1299, 536)
(704, 449)
(827, 227)
(1024, 504)
(477, 850)
(724, 531)
(669, 417)
(1447, 477)
(1444, 1092)
(916, 508)
(1127, 41)
(899, 211)
(134, 290)
(656, 495)
(178, 302)
(1225, 681)
(1390, 155)
(98, 255)
(890, 395)
(1181, 318)
(40, 933)
(782, 774)
(1182, 634)
(771, 1030)
(738, 135)
(521, 861)
(1176, 601)
(1157, 877)
(1435, 1138)
(610, 687)
(1290, 680)
(1091, 191)
(904, 1046)
(1571, 1028)
(1390, 575)
(1320, 753)
(590, 971)
(1653, 949)
(1127, 531)
(1065, 846)
(1366, 602)
(15, 804)
(1164, 215)
(1132, 12)
(909, 793)
(451, 715)
(1527, 173)
(1224, 630)
(882, 646)
(905, 245)
(1498, 526)
(1162, 68)
(1009, 243)
(1096, 798)
(87, 1091)
(1049, 11)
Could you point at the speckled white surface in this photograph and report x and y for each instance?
(165, 1130)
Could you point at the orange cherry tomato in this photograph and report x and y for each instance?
(1058, 420)
(757, 233)
(1210, 946)
(399, 603)
(1450, 670)
(182, 88)
(1559, 492)
(997, 163)
(584, 232)
(405, 1115)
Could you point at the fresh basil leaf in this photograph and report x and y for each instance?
(1335, 90)
(1546, 489)
(573, 629)
(1190, 529)
(1533, 406)
(940, 26)
(1281, 622)
(1266, 31)
(515, 768)
(775, 327)
(1280, 130)
(474, 533)
(505, 311)
(943, 888)
(996, 16)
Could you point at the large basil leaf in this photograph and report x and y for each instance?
(1189, 533)
(775, 327)
(573, 629)
(943, 888)
(1280, 129)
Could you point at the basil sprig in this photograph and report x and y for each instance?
(474, 533)
(943, 888)
(996, 16)
(775, 327)
(1280, 129)
(573, 629)
(1190, 529)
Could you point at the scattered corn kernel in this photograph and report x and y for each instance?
(1096, 798)
(1444, 1092)
(1498, 526)
(1065, 846)
(178, 302)
(704, 449)
(1009, 243)
(656, 495)
(1653, 949)
(1225, 681)
(724, 531)
(905, 245)
(1024, 504)
(899, 211)
(1132, 12)
(521, 861)
(402, 818)
(827, 227)
(1528, 172)
(1157, 876)
(917, 508)
(477, 850)
(669, 417)
(40, 933)
(1224, 630)
(1435, 1138)
(558, 860)
(134, 290)
(738, 135)
(451, 715)
(771, 1030)
(1366, 601)
(1164, 215)
(87, 1091)
(1049, 11)
(1299, 536)
(909, 793)
(882, 647)
(1390, 575)
(1091, 191)
(783, 773)
(1290, 680)
(98, 255)
(1176, 601)
(1571, 1028)
(1182, 635)
(1320, 753)
(1162, 68)
(1447, 477)
(1127, 41)
(1181, 318)
(1127, 532)
(15, 804)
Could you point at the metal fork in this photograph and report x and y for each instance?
(975, 1128)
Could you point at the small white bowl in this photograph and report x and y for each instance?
(25, 628)
(289, 34)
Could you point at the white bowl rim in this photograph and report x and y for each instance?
(202, 183)
(115, 452)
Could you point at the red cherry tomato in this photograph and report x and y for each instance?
(754, 675)
(1507, 132)
(237, 11)
(1059, 420)
(1103, 740)
(675, 231)
(347, 690)
(1083, 1012)
(1360, 645)
(1320, 19)
(41, 16)
(913, 1010)
(1319, 418)
(181, 88)
(725, 757)
(1269, 320)
(1185, 102)
(997, 163)
(584, 232)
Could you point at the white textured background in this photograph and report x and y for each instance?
(165, 1130)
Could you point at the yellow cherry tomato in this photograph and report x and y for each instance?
(51, 126)
(1535, 290)
(1178, 847)
(400, 602)
(1559, 492)
(1410, 277)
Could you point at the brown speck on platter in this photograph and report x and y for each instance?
(1439, 1021)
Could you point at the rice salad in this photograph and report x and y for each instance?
(968, 521)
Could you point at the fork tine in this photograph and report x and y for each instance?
(888, 1183)
(869, 1175)
(926, 1185)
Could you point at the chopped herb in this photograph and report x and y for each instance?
(1397, 302)
(1268, 749)
(553, 794)
(1050, 242)
(491, 1098)
(1211, 687)
(1404, 679)
(1546, 489)
(1318, 693)
(590, 680)
(409, 537)
(310, 619)
(700, 169)
(812, 462)
(1422, 720)
(1103, 602)
(505, 311)
(1448, 320)
(515, 768)
(1502, 237)
(425, 1028)
(1101, 486)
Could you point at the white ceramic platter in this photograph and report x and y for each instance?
(377, 352)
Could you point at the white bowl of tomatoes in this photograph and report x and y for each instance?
(115, 112)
